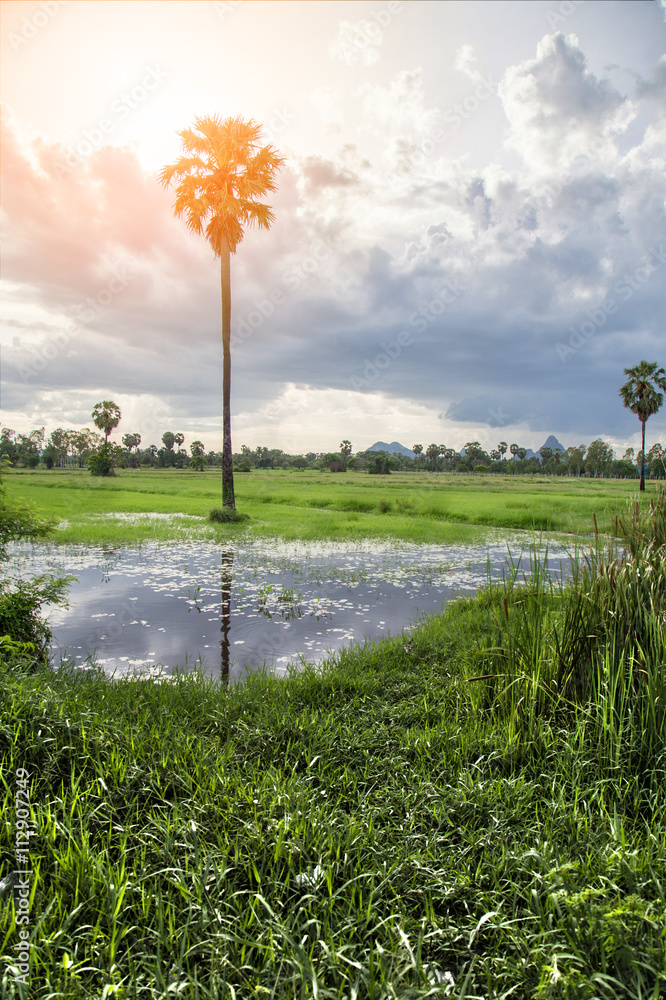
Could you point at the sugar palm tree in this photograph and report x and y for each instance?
(221, 176)
(106, 416)
(639, 394)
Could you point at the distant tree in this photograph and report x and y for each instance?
(417, 449)
(432, 452)
(345, 448)
(168, 440)
(495, 455)
(222, 175)
(197, 448)
(380, 463)
(501, 447)
(106, 415)
(639, 394)
(599, 458)
(178, 438)
(474, 452)
(514, 449)
(656, 459)
(546, 454)
(521, 454)
(574, 458)
(628, 455)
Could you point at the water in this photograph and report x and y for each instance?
(228, 609)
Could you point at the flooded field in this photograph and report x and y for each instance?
(230, 609)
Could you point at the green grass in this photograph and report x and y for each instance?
(307, 505)
(359, 831)
(474, 809)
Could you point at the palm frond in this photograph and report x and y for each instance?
(221, 179)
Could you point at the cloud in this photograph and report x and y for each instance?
(357, 42)
(392, 286)
(325, 100)
(465, 62)
(558, 110)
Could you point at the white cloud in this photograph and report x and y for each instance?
(465, 62)
(357, 42)
(558, 110)
(325, 99)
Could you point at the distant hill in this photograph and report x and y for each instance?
(552, 442)
(394, 448)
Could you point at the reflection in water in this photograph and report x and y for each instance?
(255, 602)
(225, 628)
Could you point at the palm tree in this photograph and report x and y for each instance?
(514, 449)
(501, 447)
(432, 451)
(417, 449)
(345, 448)
(221, 176)
(639, 394)
(106, 416)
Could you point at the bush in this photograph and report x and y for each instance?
(100, 463)
(226, 515)
(20, 606)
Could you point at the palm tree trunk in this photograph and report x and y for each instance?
(228, 499)
(642, 486)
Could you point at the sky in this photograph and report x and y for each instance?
(470, 223)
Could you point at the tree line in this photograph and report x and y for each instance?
(72, 449)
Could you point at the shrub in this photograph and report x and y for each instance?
(20, 606)
(226, 515)
(100, 463)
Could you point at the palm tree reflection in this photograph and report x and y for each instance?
(226, 574)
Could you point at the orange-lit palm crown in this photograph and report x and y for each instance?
(221, 177)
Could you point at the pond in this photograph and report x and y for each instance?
(230, 608)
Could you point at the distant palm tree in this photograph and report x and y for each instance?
(639, 394)
(106, 416)
(432, 452)
(417, 449)
(514, 449)
(221, 175)
(501, 447)
(345, 448)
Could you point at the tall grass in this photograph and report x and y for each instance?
(474, 809)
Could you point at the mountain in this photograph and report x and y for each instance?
(394, 448)
(552, 442)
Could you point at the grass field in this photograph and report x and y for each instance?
(474, 810)
(307, 505)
